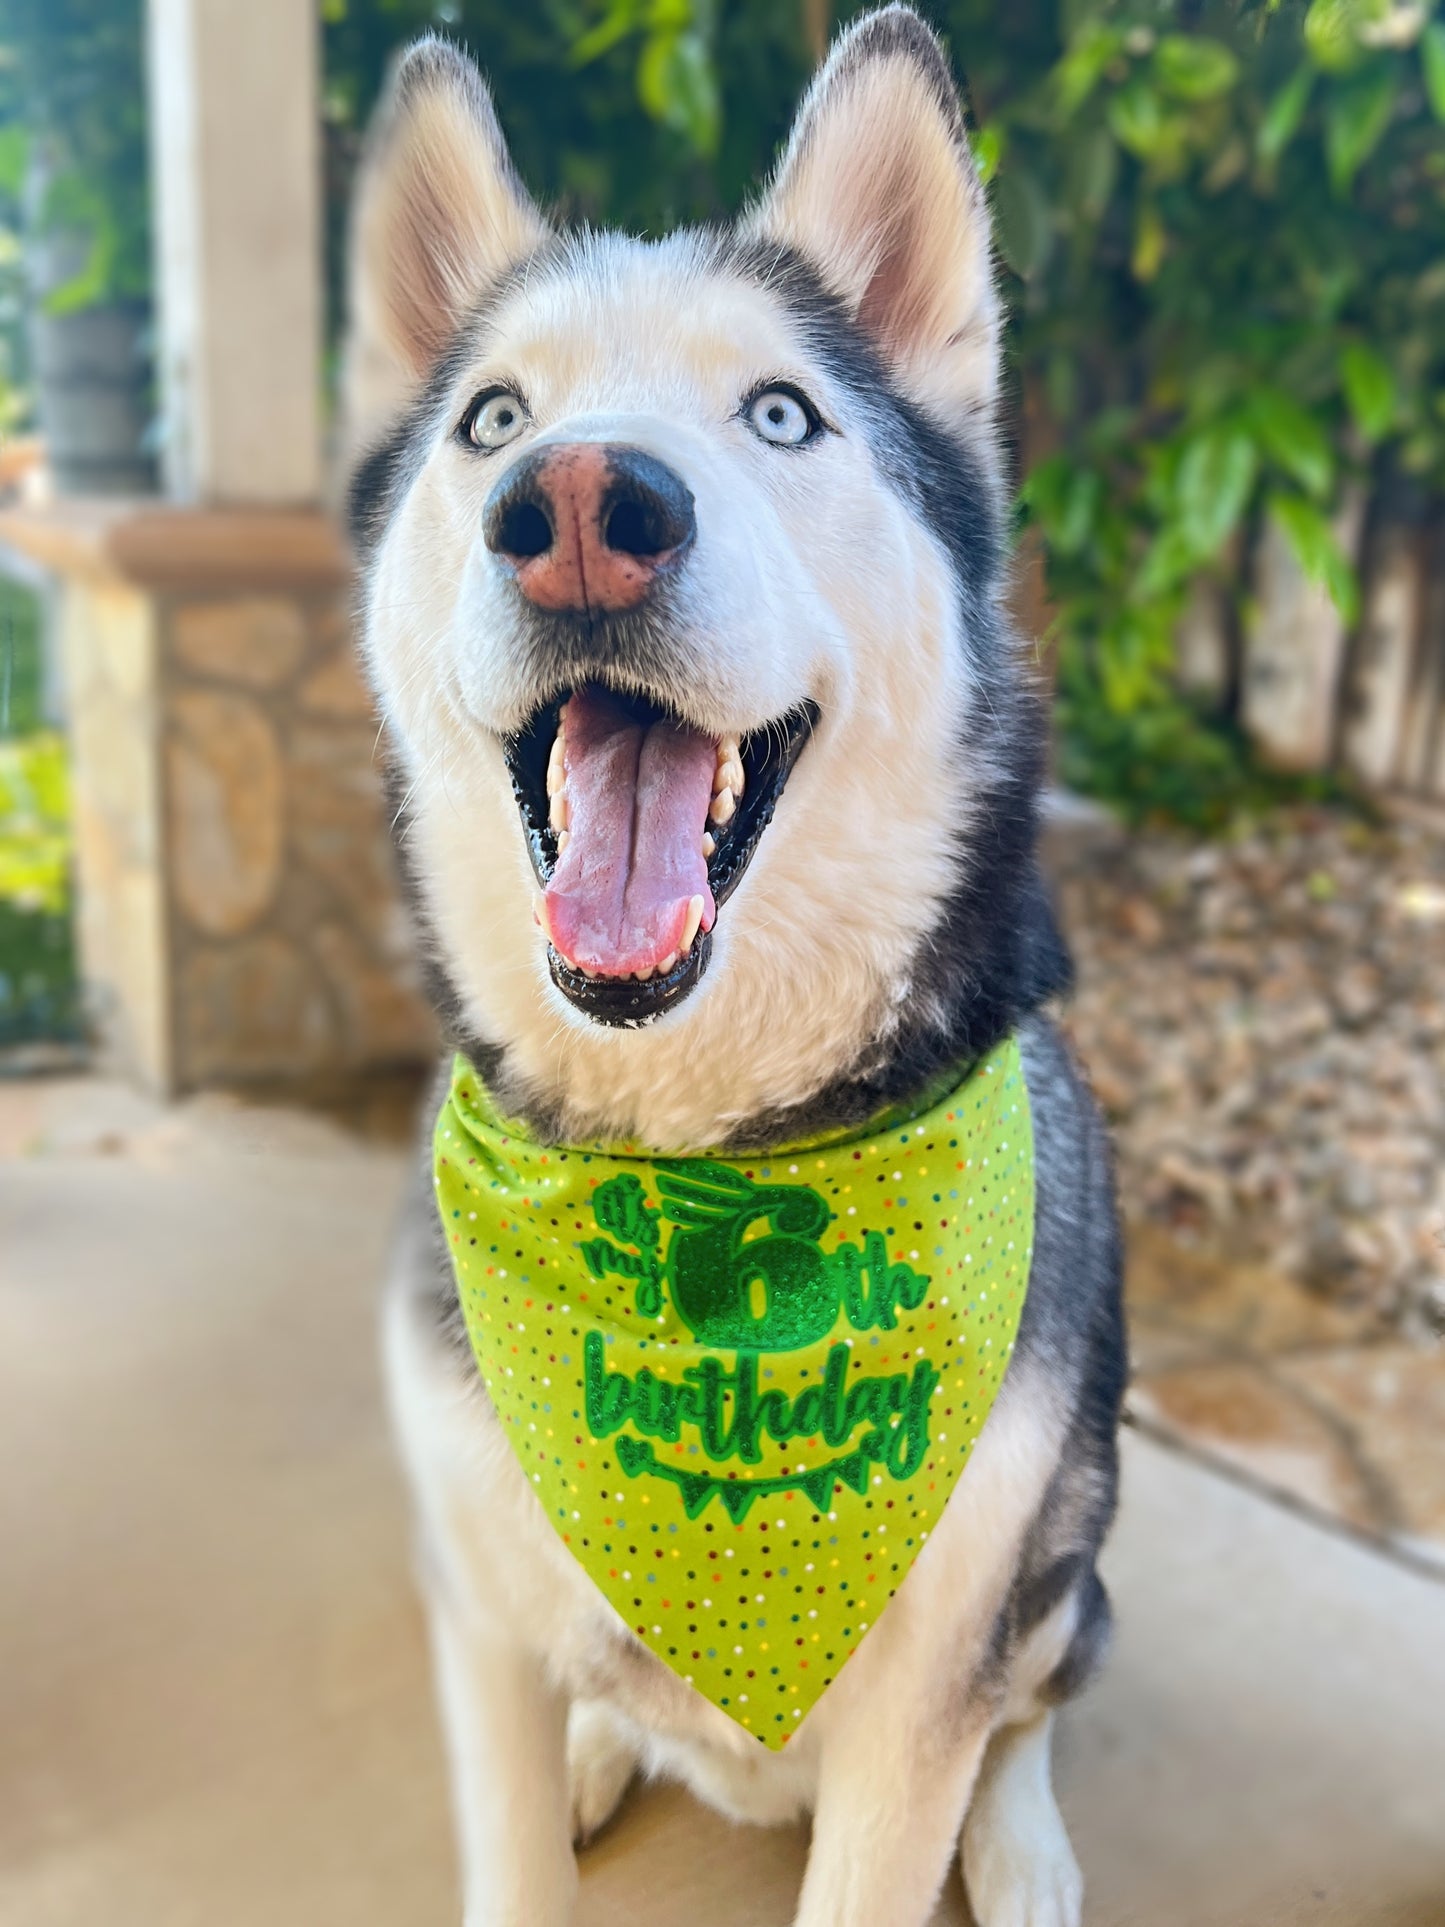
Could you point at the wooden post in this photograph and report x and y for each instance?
(236, 171)
(1423, 762)
(1383, 667)
(1202, 651)
(1295, 651)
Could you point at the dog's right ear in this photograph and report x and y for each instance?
(439, 213)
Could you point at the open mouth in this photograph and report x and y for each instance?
(640, 827)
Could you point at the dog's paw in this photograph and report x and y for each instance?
(1018, 1866)
(601, 1760)
(1023, 1876)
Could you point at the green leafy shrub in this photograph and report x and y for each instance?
(39, 987)
(20, 660)
(34, 823)
(642, 113)
(72, 114)
(1224, 221)
(39, 990)
(1232, 302)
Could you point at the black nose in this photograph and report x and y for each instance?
(589, 526)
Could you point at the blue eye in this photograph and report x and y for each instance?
(496, 420)
(780, 416)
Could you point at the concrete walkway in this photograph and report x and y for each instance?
(213, 1696)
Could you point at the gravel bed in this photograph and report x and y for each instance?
(1263, 1018)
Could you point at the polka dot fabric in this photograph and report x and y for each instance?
(743, 1387)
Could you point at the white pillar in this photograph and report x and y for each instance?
(236, 192)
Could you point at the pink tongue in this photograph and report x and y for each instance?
(637, 803)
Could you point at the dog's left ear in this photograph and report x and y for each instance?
(878, 190)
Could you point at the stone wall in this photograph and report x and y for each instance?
(290, 952)
(240, 919)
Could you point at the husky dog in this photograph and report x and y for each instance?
(727, 509)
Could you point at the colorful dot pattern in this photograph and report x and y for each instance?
(758, 1614)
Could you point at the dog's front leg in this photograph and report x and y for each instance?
(506, 1731)
(903, 1731)
(887, 1821)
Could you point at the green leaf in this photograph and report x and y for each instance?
(1432, 66)
(1292, 438)
(14, 151)
(1073, 523)
(988, 145)
(1308, 531)
(1171, 559)
(1132, 651)
(1216, 476)
(677, 85)
(621, 18)
(1193, 68)
(1093, 169)
(1150, 241)
(1356, 117)
(1331, 32)
(1369, 384)
(1282, 117)
(1093, 51)
(1137, 119)
(1025, 219)
(1063, 500)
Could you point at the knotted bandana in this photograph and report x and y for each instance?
(743, 1387)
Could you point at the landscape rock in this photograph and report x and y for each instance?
(226, 808)
(258, 641)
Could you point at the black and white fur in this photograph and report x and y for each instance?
(892, 923)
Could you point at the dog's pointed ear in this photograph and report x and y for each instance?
(878, 190)
(439, 213)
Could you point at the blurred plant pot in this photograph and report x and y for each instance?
(92, 391)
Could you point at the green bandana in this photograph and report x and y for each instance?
(743, 1387)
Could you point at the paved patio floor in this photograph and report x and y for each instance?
(213, 1696)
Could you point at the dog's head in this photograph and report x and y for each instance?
(681, 585)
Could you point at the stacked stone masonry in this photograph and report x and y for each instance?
(240, 917)
(290, 949)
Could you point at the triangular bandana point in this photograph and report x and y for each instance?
(743, 1387)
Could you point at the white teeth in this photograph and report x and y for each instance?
(727, 782)
(729, 772)
(708, 844)
(667, 964)
(690, 928)
(539, 912)
(557, 810)
(643, 976)
(564, 837)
